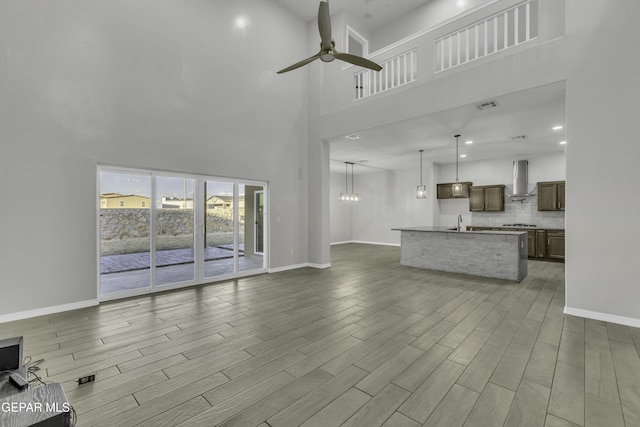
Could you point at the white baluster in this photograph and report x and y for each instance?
(405, 73)
(413, 75)
(528, 21)
(458, 36)
(505, 43)
(486, 38)
(467, 45)
(516, 36)
(477, 41)
(495, 33)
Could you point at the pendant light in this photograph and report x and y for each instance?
(346, 196)
(456, 189)
(421, 191)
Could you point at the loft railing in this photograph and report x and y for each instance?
(506, 29)
(396, 71)
(500, 31)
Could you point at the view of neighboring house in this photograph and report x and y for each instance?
(176, 203)
(223, 205)
(122, 201)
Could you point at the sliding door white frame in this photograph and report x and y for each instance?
(199, 201)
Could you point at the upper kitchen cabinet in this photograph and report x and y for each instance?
(551, 196)
(444, 190)
(487, 198)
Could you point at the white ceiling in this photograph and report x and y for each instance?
(396, 146)
(372, 13)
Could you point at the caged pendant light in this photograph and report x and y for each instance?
(421, 190)
(346, 196)
(456, 188)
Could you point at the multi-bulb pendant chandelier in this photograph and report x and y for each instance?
(456, 188)
(421, 191)
(346, 196)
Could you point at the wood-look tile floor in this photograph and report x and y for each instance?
(364, 343)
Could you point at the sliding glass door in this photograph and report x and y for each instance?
(174, 230)
(251, 220)
(125, 235)
(219, 245)
(259, 222)
(164, 230)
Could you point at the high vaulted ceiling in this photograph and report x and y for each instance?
(372, 13)
(532, 113)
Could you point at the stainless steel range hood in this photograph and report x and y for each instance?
(520, 180)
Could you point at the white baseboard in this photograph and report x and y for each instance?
(376, 243)
(286, 268)
(612, 318)
(364, 242)
(47, 310)
(296, 266)
(321, 266)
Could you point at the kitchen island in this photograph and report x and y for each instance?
(497, 254)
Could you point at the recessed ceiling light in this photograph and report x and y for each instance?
(353, 136)
(468, 142)
(563, 142)
(463, 155)
(557, 127)
(241, 22)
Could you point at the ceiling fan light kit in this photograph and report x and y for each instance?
(327, 46)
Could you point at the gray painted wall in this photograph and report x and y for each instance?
(602, 158)
(147, 84)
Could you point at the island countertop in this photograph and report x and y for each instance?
(488, 253)
(442, 229)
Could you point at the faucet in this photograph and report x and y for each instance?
(459, 221)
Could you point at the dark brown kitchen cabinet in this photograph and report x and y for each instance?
(555, 244)
(486, 198)
(561, 201)
(444, 190)
(551, 196)
(532, 243)
(544, 245)
(541, 244)
(476, 199)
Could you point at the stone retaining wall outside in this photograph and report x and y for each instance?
(125, 231)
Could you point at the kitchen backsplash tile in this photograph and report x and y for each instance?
(519, 213)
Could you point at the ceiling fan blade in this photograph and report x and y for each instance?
(300, 64)
(358, 60)
(324, 25)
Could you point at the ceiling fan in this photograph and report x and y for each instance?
(327, 46)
